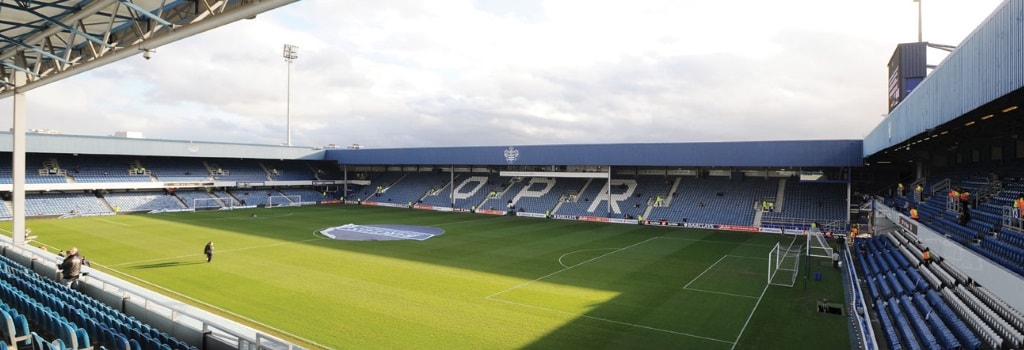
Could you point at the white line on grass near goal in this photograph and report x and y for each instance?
(494, 298)
(579, 251)
(750, 316)
(716, 242)
(721, 293)
(613, 321)
(568, 268)
(687, 286)
(113, 222)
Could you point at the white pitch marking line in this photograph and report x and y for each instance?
(687, 286)
(750, 317)
(579, 251)
(722, 293)
(114, 222)
(570, 267)
(611, 321)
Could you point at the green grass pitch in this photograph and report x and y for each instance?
(487, 283)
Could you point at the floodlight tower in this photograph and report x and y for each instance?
(919, 34)
(291, 52)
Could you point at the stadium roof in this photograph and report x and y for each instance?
(817, 153)
(53, 39)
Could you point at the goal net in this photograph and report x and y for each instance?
(284, 201)
(784, 264)
(817, 245)
(215, 203)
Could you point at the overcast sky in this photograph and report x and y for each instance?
(408, 73)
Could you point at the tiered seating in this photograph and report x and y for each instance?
(306, 195)
(74, 320)
(412, 187)
(237, 170)
(253, 197)
(716, 200)
(505, 194)
(956, 231)
(33, 164)
(98, 169)
(5, 212)
(932, 306)
(176, 169)
(824, 202)
(645, 190)
(647, 187)
(289, 171)
(189, 197)
(549, 201)
(44, 204)
(142, 201)
(383, 180)
(486, 183)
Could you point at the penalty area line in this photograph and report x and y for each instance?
(750, 317)
(612, 321)
(578, 251)
(568, 268)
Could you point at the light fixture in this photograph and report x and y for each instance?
(988, 116)
(1007, 109)
(969, 123)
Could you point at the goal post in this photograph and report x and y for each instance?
(773, 262)
(817, 245)
(784, 264)
(284, 201)
(214, 203)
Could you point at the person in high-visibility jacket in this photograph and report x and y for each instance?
(1018, 205)
(926, 256)
(913, 213)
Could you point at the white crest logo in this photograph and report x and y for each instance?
(511, 154)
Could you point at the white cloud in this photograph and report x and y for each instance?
(491, 72)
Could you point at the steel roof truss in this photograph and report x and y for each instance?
(141, 11)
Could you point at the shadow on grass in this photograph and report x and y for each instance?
(165, 264)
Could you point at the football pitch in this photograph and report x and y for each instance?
(487, 282)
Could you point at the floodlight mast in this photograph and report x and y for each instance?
(920, 36)
(290, 53)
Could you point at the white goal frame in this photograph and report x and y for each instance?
(284, 201)
(786, 260)
(817, 245)
(215, 203)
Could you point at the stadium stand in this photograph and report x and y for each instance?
(471, 190)
(143, 201)
(716, 200)
(237, 170)
(41, 313)
(55, 204)
(289, 171)
(922, 306)
(170, 169)
(306, 195)
(98, 169)
(538, 195)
